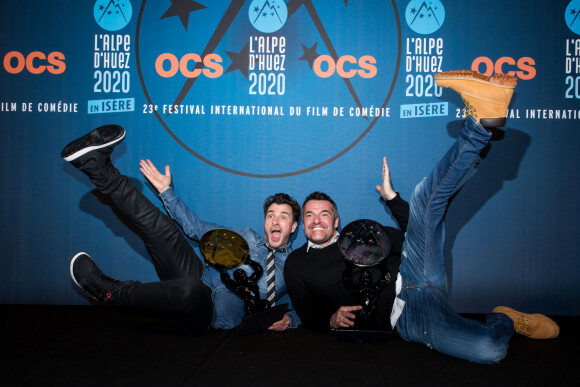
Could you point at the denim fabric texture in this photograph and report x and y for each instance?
(427, 317)
(228, 307)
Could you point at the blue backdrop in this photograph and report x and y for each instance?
(247, 98)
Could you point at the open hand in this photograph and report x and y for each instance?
(159, 181)
(386, 189)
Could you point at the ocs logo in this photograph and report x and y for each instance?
(113, 15)
(35, 63)
(572, 16)
(425, 17)
(523, 68)
(268, 16)
(234, 59)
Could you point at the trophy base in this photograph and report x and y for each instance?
(362, 336)
(261, 320)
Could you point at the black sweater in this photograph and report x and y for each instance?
(314, 278)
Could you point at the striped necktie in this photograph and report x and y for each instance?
(271, 276)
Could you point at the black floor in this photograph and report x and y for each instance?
(108, 346)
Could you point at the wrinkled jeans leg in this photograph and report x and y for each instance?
(427, 317)
(423, 259)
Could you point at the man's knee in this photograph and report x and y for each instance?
(489, 350)
(194, 294)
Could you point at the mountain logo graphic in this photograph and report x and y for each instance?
(572, 16)
(268, 16)
(425, 17)
(113, 15)
(243, 115)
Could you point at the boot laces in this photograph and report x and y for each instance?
(95, 283)
(521, 325)
(468, 110)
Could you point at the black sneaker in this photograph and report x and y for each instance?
(87, 275)
(106, 136)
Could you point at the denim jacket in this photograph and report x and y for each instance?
(228, 307)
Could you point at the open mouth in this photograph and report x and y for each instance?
(275, 235)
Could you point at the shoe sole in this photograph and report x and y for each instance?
(498, 80)
(492, 122)
(85, 150)
(72, 262)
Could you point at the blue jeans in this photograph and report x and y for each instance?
(427, 317)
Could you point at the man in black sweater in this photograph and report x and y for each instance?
(315, 270)
(416, 303)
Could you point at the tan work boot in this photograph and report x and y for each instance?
(486, 98)
(535, 326)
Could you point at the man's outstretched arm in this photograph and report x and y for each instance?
(190, 223)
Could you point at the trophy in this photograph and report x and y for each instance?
(365, 244)
(225, 249)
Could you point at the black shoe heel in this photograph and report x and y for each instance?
(492, 122)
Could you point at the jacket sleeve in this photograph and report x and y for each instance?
(399, 209)
(187, 219)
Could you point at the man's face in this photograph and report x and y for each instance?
(279, 224)
(319, 222)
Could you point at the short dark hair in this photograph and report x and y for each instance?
(282, 198)
(321, 196)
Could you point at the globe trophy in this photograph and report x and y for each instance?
(226, 250)
(364, 244)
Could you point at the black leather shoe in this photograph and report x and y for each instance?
(106, 136)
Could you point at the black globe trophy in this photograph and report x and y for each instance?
(365, 244)
(226, 249)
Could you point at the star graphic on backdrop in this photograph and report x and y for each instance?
(182, 9)
(292, 5)
(240, 61)
(572, 11)
(310, 54)
(413, 10)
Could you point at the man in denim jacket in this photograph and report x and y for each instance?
(190, 291)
